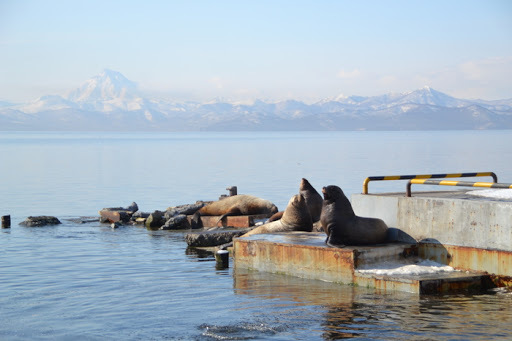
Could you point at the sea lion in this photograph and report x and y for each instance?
(275, 216)
(241, 204)
(296, 217)
(314, 200)
(343, 227)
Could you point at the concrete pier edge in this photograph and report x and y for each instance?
(473, 236)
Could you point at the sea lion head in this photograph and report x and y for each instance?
(297, 214)
(298, 200)
(273, 209)
(331, 193)
(338, 201)
(304, 185)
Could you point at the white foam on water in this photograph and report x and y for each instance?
(492, 193)
(399, 268)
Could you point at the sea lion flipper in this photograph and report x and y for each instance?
(276, 216)
(339, 246)
(232, 211)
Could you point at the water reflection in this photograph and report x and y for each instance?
(339, 311)
(199, 254)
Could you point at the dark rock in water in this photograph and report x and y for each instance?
(40, 221)
(83, 220)
(155, 220)
(183, 209)
(213, 238)
(177, 222)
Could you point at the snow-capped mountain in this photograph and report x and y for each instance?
(425, 95)
(108, 91)
(109, 101)
(47, 102)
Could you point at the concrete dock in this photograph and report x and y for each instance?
(452, 228)
(472, 236)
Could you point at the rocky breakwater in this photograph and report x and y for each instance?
(173, 218)
(182, 217)
(190, 216)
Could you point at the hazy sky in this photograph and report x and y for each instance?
(306, 50)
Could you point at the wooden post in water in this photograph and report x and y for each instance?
(6, 221)
(222, 259)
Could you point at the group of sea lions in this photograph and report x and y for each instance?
(306, 210)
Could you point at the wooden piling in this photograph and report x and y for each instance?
(222, 259)
(232, 190)
(6, 221)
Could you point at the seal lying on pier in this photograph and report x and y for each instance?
(241, 204)
(343, 227)
(296, 217)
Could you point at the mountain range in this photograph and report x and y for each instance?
(111, 102)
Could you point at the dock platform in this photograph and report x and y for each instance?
(306, 255)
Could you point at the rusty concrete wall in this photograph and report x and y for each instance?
(470, 223)
(467, 258)
(309, 258)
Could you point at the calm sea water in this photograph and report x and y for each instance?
(87, 281)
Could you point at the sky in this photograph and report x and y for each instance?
(271, 50)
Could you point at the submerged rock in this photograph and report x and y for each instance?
(213, 238)
(40, 221)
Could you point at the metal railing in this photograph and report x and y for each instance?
(425, 176)
(453, 183)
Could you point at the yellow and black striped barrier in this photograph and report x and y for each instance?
(425, 176)
(454, 183)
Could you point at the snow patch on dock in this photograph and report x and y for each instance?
(493, 193)
(394, 268)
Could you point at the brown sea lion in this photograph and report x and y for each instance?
(343, 227)
(296, 217)
(241, 204)
(314, 200)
